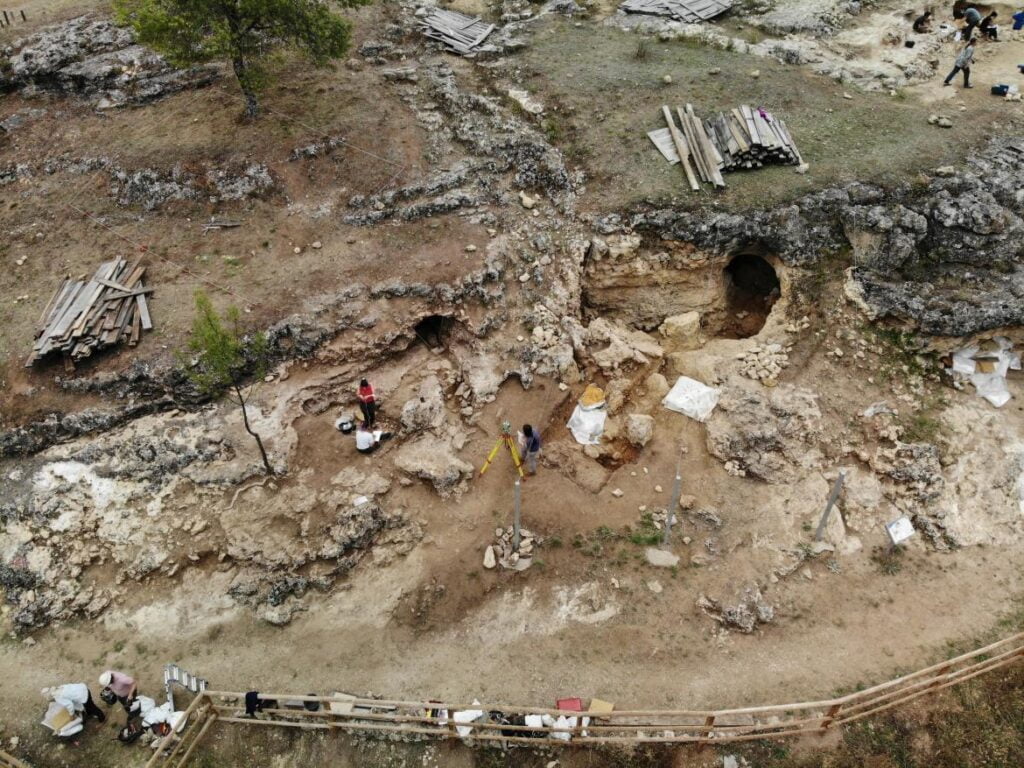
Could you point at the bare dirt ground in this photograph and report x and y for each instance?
(415, 613)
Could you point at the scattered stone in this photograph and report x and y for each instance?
(745, 616)
(667, 79)
(490, 560)
(317, 245)
(471, 248)
(617, 493)
(527, 201)
(661, 558)
(639, 429)
(655, 587)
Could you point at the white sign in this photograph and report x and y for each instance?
(900, 530)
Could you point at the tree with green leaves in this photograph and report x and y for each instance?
(244, 32)
(224, 356)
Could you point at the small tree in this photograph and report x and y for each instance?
(244, 32)
(225, 357)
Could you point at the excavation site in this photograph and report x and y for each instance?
(543, 383)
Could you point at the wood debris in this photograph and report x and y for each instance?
(689, 11)
(459, 33)
(730, 141)
(87, 315)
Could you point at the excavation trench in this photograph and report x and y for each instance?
(734, 295)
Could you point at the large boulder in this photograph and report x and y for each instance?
(426, 409)
(683, 331)
(639, 429)
(434, 459)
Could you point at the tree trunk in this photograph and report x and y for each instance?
(256, 437)
(252, 107)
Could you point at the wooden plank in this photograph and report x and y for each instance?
(691, 142)
(681, 148)
(143, 308)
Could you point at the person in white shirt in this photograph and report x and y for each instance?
(75, 698)
(366, 441)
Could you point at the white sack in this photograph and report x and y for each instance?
(692, 398)
(587, 424)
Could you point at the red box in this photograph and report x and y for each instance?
(569, 705)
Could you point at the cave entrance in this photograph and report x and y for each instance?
(751, 289)
(433, 331)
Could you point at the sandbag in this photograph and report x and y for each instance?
(692, 398)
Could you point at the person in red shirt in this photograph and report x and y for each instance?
(367, 403)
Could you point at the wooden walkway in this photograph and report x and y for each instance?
(537, 727)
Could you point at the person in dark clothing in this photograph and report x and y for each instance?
(973, 18)
(531, 448)
(963, 64)
(988, 26)
(367, 403)
(923, 23)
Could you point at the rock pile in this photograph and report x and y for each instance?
(764, 363)
(502, 553)
(751, 610)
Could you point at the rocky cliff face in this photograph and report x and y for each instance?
(946, 259)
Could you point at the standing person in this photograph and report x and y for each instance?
(1018, 21)
(367, 403)
(988, 26)
(531, 448)
(121, 685)
(75, 698)
(963, 64)
(973, 18)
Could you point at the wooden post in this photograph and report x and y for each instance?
(210, 718)
(703, 735)
(830, 716)
(23, 16)
(836, 488)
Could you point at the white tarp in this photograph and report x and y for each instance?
(987, 369)
(692, 398)
(58, 720)
(587, 423)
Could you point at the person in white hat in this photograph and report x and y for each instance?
(121, 685)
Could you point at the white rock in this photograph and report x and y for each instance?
(661, 558)
(317, 245)
(617, 493)
(527, 201)
(654, 586)
(489, 559)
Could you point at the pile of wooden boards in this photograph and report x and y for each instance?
(86, 315)
(730, 141)
(688, 11)
(459, 33)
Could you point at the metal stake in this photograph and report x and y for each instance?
(677, 490)
(836, 488)
(515, 519)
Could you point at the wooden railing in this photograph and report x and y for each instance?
(10, 761)
(420, 719)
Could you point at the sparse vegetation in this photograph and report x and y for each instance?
(225, 357)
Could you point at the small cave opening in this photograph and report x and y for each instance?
(433, 330)
(751, 289)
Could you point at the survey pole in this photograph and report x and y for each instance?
(836, 488)
(517, 493)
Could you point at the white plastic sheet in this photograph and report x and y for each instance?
(587, 423)
(692, 398)
(991, 385)
(466, 716)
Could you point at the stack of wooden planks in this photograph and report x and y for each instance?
(86, 315)
(731, 141)
(688, 11)
(459, 33)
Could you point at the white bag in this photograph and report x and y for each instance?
(587, 424)
(692, 398)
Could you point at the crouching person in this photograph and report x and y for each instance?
(70, 704)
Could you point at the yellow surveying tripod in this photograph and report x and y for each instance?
(509, 442)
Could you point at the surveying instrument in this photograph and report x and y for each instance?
(509, 442)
